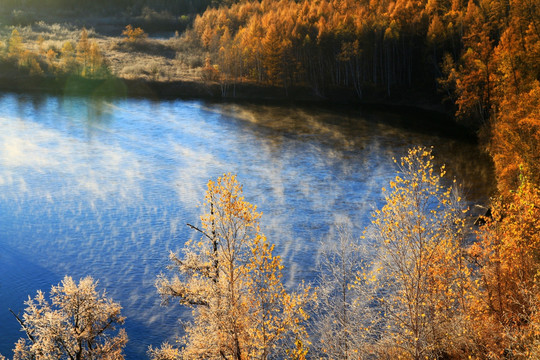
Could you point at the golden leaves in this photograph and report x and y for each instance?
(133, 34)
(232, 280)
(418, 231)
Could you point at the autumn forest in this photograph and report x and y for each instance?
(421, 281)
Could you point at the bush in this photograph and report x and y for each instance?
(134, 34)
(78, 323)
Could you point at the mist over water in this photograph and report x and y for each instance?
(105, 188)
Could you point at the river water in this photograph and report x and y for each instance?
(105, 187)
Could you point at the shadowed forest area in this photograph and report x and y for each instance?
(410, 287)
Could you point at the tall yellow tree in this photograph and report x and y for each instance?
(232, 281)
(15, 46)
(83, 50)
(421, 272)
(274, 55)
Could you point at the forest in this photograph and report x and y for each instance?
(419, 291)
(101, 6)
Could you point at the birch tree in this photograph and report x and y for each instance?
(421, 273)
(231, 280)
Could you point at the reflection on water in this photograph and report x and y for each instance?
(104, 188)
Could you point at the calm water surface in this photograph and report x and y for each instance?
(105, 188)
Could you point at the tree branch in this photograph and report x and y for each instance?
(199, 230)
(23, 326)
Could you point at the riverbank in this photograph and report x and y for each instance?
(190, 88)
(415, 104)
(420, 108)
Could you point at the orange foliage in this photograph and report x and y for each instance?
(495, 78)
(516, 139)
(301, 40)
(133, 34)
(488, 51)
(505, 306)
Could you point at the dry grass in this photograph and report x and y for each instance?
(169, 59)
(156, 59)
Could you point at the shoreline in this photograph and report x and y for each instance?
(413, 104)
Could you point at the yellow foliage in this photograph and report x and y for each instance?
(421, 268)
(506, 299)
(133, 34)
(15, 46)
(232, 281)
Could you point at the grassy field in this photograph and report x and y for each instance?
(159, 57)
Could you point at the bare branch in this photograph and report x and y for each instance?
(23, 326)
(199, 230)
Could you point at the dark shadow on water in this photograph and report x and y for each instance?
(408, 118)
(354, 131)
(16, 273)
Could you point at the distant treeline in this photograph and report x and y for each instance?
(354, 44)
(152, 15)
(175, 7)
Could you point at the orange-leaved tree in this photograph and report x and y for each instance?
(134, 34)
(232, 281)
(506, 307)
(515, 144)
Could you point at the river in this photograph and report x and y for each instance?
(105, 187)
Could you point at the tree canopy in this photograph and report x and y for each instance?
(232, 281)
